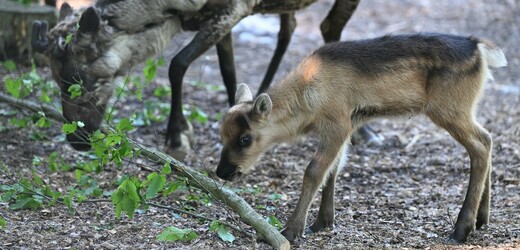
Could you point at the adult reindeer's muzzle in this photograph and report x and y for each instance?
(39, 41)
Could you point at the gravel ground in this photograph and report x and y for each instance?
(404, 194)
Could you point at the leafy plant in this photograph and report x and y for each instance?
(271, 219)
(172, 233)
(126, 198)
(3, 223)
(222, 231)
(150, 68)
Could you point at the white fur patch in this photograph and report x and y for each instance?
(494, 56)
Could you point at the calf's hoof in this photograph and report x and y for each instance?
(482, 219)
(319, 226)
(292, 234)
(458, 237)
(180, 151)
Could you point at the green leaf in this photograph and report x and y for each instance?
(113, 139)
(126, 199)
(214, 225)
(224, 234)
(74, 90)
(68, 38)
(43, 122)
(10, 65)
(172, 233)
(274, 222)
(26, 203)
(44, 97)
(222, 231)
(52, 164)
(275, 197)
(150, 70)
(13, 86)
(167, 169)
(124, 125)
(37, 179)
(3, 223)
(196, 114)
(162, 91)
(36, 161)
(157, 182)
(69, 128)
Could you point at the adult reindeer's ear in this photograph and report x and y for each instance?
(65, 10)
(263, 107)
(89, 21)
(243, 94)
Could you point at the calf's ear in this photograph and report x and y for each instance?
(263, 107)
(243, 94)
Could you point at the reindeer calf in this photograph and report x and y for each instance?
(341, 86)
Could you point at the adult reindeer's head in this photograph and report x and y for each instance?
(72, 47)
(87, 56)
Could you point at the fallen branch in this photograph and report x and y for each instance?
(230, 198)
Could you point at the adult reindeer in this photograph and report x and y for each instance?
(108, 39)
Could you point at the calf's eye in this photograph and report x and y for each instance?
(244, 140)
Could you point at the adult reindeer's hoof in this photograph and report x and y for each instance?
(180, 149)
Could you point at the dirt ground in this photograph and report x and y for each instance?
(404, 194)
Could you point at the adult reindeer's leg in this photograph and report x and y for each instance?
(227, 66)
(287, 26)
(325, 217)
(337, 18)
(179, 132)
(478, 144)
(328, 152)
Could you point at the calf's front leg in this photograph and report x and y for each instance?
(323, 162)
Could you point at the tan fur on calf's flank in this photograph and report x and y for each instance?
(310, 67)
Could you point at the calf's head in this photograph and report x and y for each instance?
(245, 133)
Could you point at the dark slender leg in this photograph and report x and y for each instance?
(227, 66)
(287, 26)
(337, 18)
(179, 132)
(483, 209)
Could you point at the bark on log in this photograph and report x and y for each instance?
(230, 198)
(16, 27)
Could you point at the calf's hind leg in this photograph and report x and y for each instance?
(483, 210)
(478, 143)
